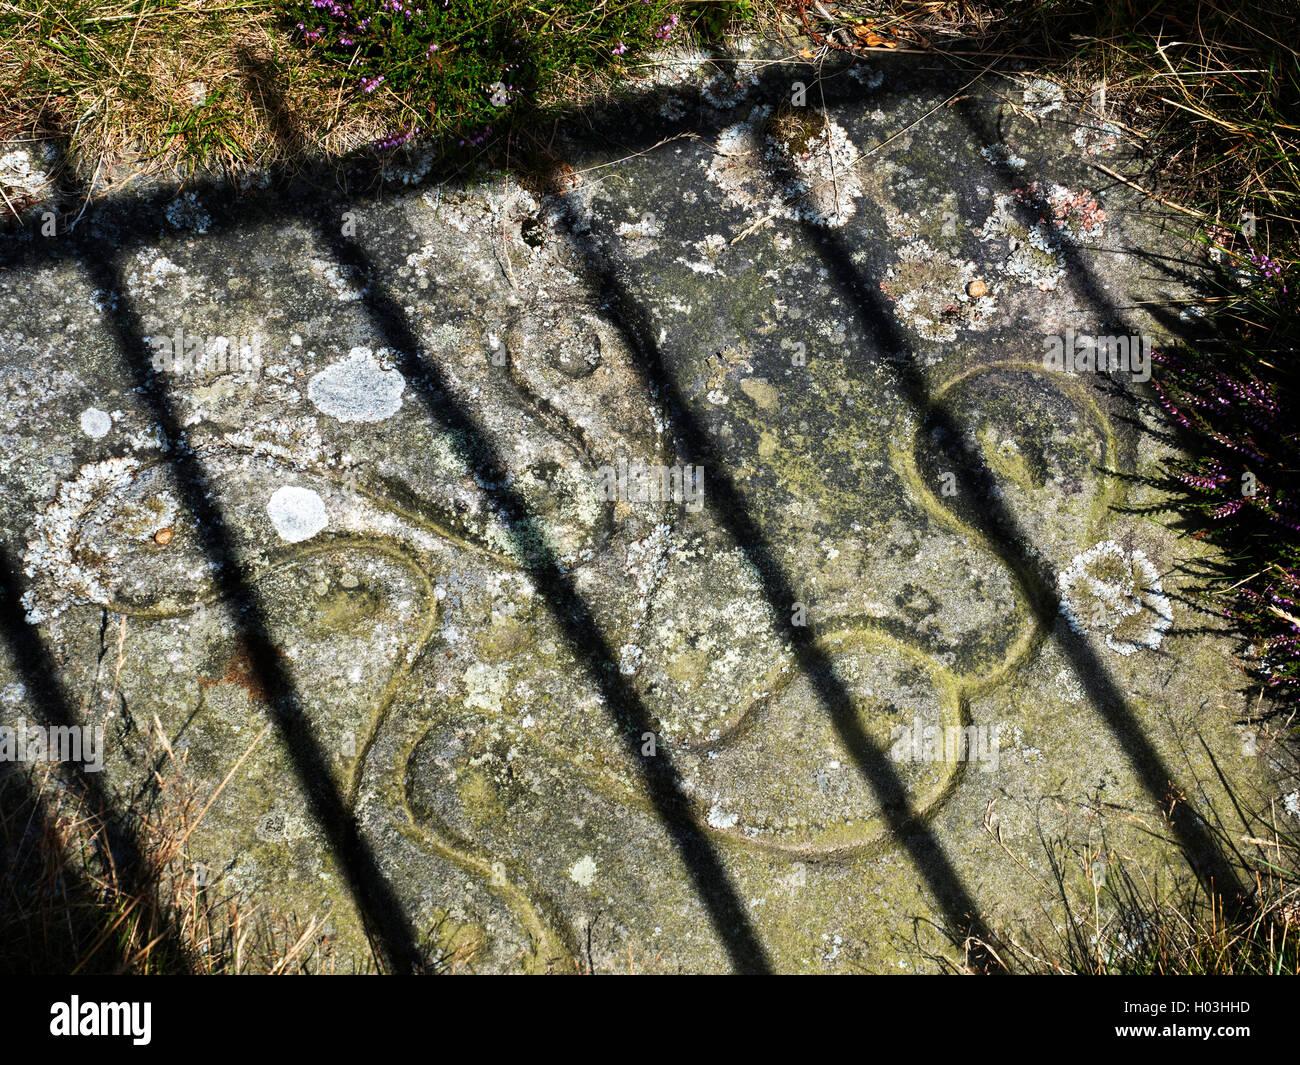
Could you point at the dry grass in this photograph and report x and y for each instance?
(1212, 88)
(160, 86)
(1119, 921)
(143, 87)
(68, 906)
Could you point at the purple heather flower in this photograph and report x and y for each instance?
(665, 31)
(397, 139)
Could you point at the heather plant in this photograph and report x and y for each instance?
(469, 68)
(1234, 401)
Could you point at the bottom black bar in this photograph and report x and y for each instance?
(335, 1014)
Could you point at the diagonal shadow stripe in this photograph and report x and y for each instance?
(1194, 835)
(1010, 543)
(567, 607)
(33, 662)
(727, 504)
(392, 938)
(566, 604)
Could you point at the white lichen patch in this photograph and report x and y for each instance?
(630, 658)
(676, 66)
(295, 440)
(1076, 216)
(1034, 255)
(583, 871)
(1291, 803)
(485, 687)
(358, 388)
(64, 560)
(297, 513)
(1042, 97)
(186, 212)
(20, 178)
(672, 108)
(1117, 594)
(712, 245)
(647, 562)
(1098, 137)
(1038, 260)
(341, 279)
(645, 228)
(929, 291)
(1002, 156)
(708, 252)
(153, 272)
(96, 423)
(724, 92)
(867, 75)
(807, 175)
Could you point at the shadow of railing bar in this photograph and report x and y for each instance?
(570, 612)
(1010, 543)
(33, 662)
(391, 935)
(568, 608)
(727, 505)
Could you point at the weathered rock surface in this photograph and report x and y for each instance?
(410, 403)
